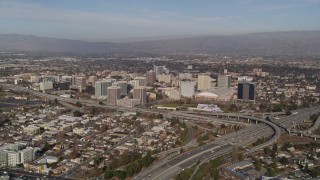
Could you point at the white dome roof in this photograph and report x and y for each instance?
(207, 95)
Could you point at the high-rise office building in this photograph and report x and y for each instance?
(151, 77)
(166, 78)
(64, 79)
(92, 80)
(187, 89)
(101, 87)
(113, 95)
(80, 81)
(141, 94)
(246, 91)
(140, 81)
(123, 85)
(224, 81)
(204, 82)
(159, 69)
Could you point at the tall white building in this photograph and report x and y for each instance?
(166, 78)
(102, 86)
(159, 69)
(3, 159)
(26, 155)
(204, 82)
(13, 158)
(187, 89)
(224, 81)
(123, 85)
(140, 81)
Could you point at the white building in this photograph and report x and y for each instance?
(166, 78)
(159, 69)
(224, 81)
(34, 79)
(13, 158)
(31, 129)
(245, 78)
(174, 94)
(128, 102)
(64, 79)
(27, 155)
(140, 81)
(187, 89)
(46, 86)
(185, 76)
(102, 86)
(123, 85)
(78, 131)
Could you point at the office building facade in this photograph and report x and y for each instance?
(151, 77)
(141, 94)
(101, 87)
(246, 92)
(224, 81)
(187, 89)
(204, 82)
(123, 85)
(113, 95)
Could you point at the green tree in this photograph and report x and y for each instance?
(78, 104)
(284, 161)
(216, 174)
(240, 156)
(77, 114)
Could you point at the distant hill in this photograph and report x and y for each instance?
(270, 43)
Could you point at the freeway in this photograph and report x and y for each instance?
(297, 117)
(314, 126)
(241, 138)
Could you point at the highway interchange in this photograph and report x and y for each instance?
(170, 167)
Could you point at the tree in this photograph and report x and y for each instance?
(55, 101)
(284, 161)
(216, 174)
(78, 104)
(77, 114)
(94, 111)
(42, 130)
(240, 156)
(277, 108)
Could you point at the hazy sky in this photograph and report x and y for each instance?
(112, 19)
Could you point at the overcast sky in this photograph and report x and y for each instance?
(113, 19)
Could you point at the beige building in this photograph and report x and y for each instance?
(204, 82)
(166, 78)
(113, 95)
(92, 80)
(140, 93)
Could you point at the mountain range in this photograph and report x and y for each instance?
(291, 43)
